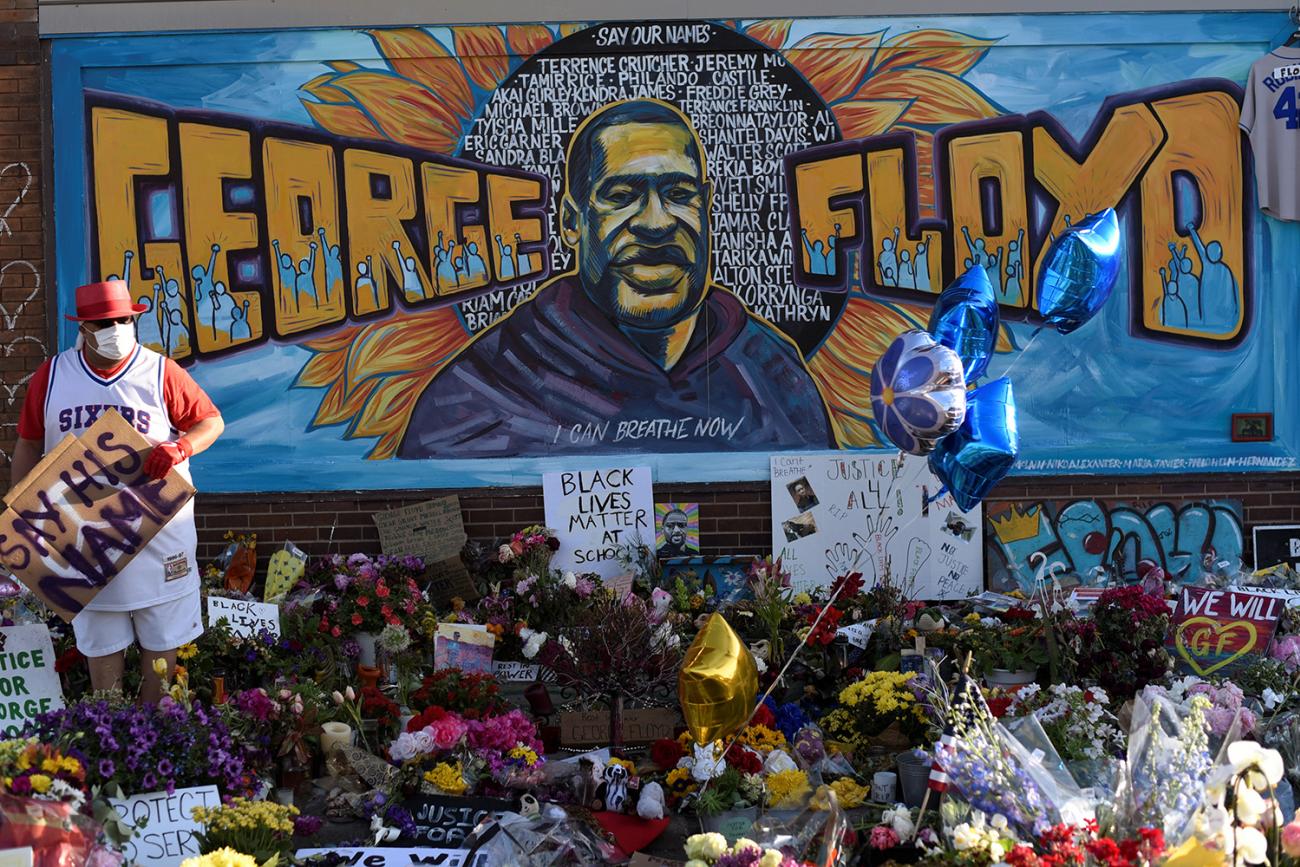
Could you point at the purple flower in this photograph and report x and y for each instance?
(306, 826)
(351, 649)
(106, 769)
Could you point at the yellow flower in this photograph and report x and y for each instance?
(971, 618)
(787, 789)
(528, 756)
(849, 793)
(802, 598)
(223, 857)
(187, 651)
(160, 667)
(40, 783)
(449, 779)
(761, 738)
(679, 782)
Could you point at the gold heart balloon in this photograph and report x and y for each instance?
(718, 682)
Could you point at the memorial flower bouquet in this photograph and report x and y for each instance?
(1122, 647)
(263, 829)
(43, 803)
(30, 769)
(880, 709)
(365, 594)
(443, 751)
(1076, 719)
(148, 748)
(470, 694)
(278, 723)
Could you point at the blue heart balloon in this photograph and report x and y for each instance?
(918, 393)
(1079, 271)
(980, 453)
(965, 319)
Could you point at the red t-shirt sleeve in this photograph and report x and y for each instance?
(187, 403)
(31, 422)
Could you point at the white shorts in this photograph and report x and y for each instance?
(161, 627)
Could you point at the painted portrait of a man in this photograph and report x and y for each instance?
(638, 337)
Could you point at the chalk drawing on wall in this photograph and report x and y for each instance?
(1184, 539)
(13, 274)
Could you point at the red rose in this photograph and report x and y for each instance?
(335, 631)
(363, 601)
(666, 753)
(67, 660)
(763, 717)
(381, 591)
(356, 619)
(743, 760)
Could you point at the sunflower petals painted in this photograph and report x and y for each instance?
(772, 32)
(834, 63)
(860, 118)
(942, 50)
(483, 50)
(414, 53)
(937, 97)
(403, 110)
(528, 39)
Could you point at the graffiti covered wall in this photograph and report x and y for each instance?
(465, 255)
(1185, 539)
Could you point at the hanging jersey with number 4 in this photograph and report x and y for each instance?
(1270, 115)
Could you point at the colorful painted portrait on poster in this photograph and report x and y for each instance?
(479, 253)
(677, 529)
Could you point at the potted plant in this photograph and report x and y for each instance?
(1007, 652)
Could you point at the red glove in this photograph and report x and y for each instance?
(165, 456)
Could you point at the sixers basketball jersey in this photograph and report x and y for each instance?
(165, 569)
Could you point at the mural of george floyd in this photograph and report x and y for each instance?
(459, 257)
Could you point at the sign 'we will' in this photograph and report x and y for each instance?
(1218, 630)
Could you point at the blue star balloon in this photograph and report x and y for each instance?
(965, 319)
(918, 392)
(980, 453)
(1079, 271)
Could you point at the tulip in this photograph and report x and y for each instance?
(351, 694)
(160, 667)
(338, 697)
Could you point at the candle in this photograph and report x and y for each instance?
(334, 735)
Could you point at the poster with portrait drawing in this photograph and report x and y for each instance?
(677, 529)
(876, 514)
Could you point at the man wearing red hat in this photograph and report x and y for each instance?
(155, 599)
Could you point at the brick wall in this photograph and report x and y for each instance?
(734, 518)
(23, 323)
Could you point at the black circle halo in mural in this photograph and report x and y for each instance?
(750, 108)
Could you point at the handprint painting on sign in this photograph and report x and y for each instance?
(875, 514)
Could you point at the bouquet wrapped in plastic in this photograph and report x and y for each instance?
(993, 772)
(1163, 783)
(58, 833)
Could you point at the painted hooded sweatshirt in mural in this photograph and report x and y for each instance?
(556, 376)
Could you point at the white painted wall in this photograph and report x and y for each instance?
(107, 16)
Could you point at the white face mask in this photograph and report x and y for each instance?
(114, 342)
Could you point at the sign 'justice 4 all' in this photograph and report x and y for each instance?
(84, 512)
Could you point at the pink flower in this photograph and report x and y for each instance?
(1288, 651)
(883, 837)
(1291, 839)
(447, 732)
